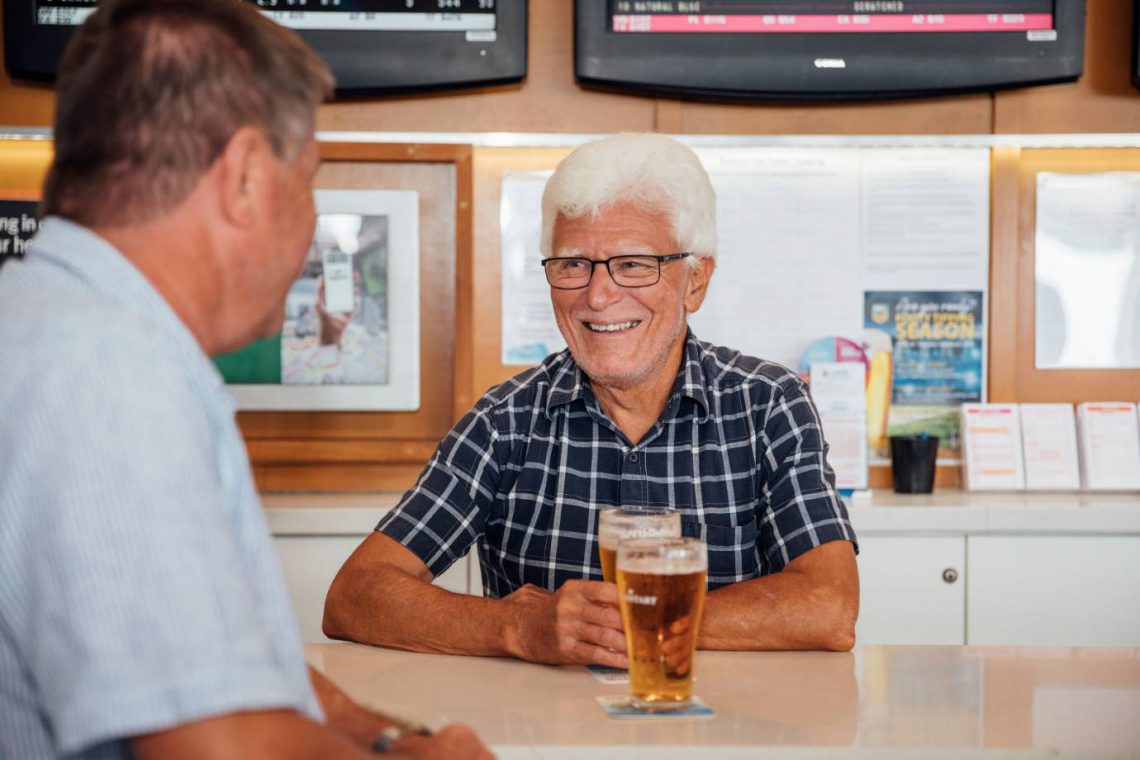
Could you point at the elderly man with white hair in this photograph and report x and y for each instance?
(636, 411)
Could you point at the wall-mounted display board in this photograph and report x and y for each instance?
(372, 46)
(358, 450)
(1087, 252)
(772, 49)
(1016, 374)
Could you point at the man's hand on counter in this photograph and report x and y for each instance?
(451, 743)
(362, 727)
(577, 624)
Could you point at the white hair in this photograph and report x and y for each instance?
(656, 173)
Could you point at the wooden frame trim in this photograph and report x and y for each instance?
(461, 156)
(1003, 292)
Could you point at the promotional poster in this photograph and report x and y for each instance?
(926, 352)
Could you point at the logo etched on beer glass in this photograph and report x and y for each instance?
(619, 523)
(661, 590)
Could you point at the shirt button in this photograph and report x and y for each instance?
(633, 456)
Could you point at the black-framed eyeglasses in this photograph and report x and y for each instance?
(633, 270)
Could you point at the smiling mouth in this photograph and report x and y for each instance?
(611, 328)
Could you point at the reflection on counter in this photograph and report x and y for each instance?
(1072, 702)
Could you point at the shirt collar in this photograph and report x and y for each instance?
(104, 268)
(569, 383)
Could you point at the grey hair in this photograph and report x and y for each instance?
(655, 172)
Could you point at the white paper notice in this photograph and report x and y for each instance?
(838, 390)
(991, 447)
(788, 269)
(528, 329)
(1088, 270)
(925, 219)
(1110, 446)
(1049, 440)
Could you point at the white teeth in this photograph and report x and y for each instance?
(614, 327)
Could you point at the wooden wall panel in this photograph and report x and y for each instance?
(1103, 100)
(961, 114)
(1002, 364)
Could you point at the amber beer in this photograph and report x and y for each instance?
(661, 590)
(619, 523)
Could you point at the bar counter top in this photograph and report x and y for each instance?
(890, 701)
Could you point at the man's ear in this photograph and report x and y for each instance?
(242, 176)
(698, 283)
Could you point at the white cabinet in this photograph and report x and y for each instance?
(311, 562)
(1054, 590)
(912, 590)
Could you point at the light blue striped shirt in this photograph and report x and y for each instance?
(139, 588)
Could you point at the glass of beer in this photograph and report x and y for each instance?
(619, 523)
(661, 590)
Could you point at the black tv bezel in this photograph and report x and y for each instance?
(1136, 44)
(725, 66)
(414, 61)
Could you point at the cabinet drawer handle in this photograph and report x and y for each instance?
(949, 575)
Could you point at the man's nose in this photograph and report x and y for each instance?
(602, 289)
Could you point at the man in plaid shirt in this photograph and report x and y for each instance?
(637, 411)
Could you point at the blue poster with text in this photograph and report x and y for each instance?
(937, 344)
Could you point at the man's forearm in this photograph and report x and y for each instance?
(812, 607)
(391, 608)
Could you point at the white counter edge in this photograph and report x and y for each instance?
(336, 514)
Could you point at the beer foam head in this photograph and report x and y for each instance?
(621, 524)
(671, 556)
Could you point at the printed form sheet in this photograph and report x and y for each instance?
(529, 330)
(788, 269)
(1088, 270)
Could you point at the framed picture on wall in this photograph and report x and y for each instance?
(350, 340)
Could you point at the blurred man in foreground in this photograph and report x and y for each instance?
(142, 611)
(636, 412)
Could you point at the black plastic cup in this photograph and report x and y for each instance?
(912, 463)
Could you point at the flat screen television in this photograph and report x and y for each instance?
(372, 46)
(822, 49)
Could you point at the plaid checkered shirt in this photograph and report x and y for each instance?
(738, 451)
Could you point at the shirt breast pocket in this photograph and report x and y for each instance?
(733, 555)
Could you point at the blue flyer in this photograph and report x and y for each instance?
(937, 344)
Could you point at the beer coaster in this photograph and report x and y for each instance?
(606, 674)
(622, 708)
